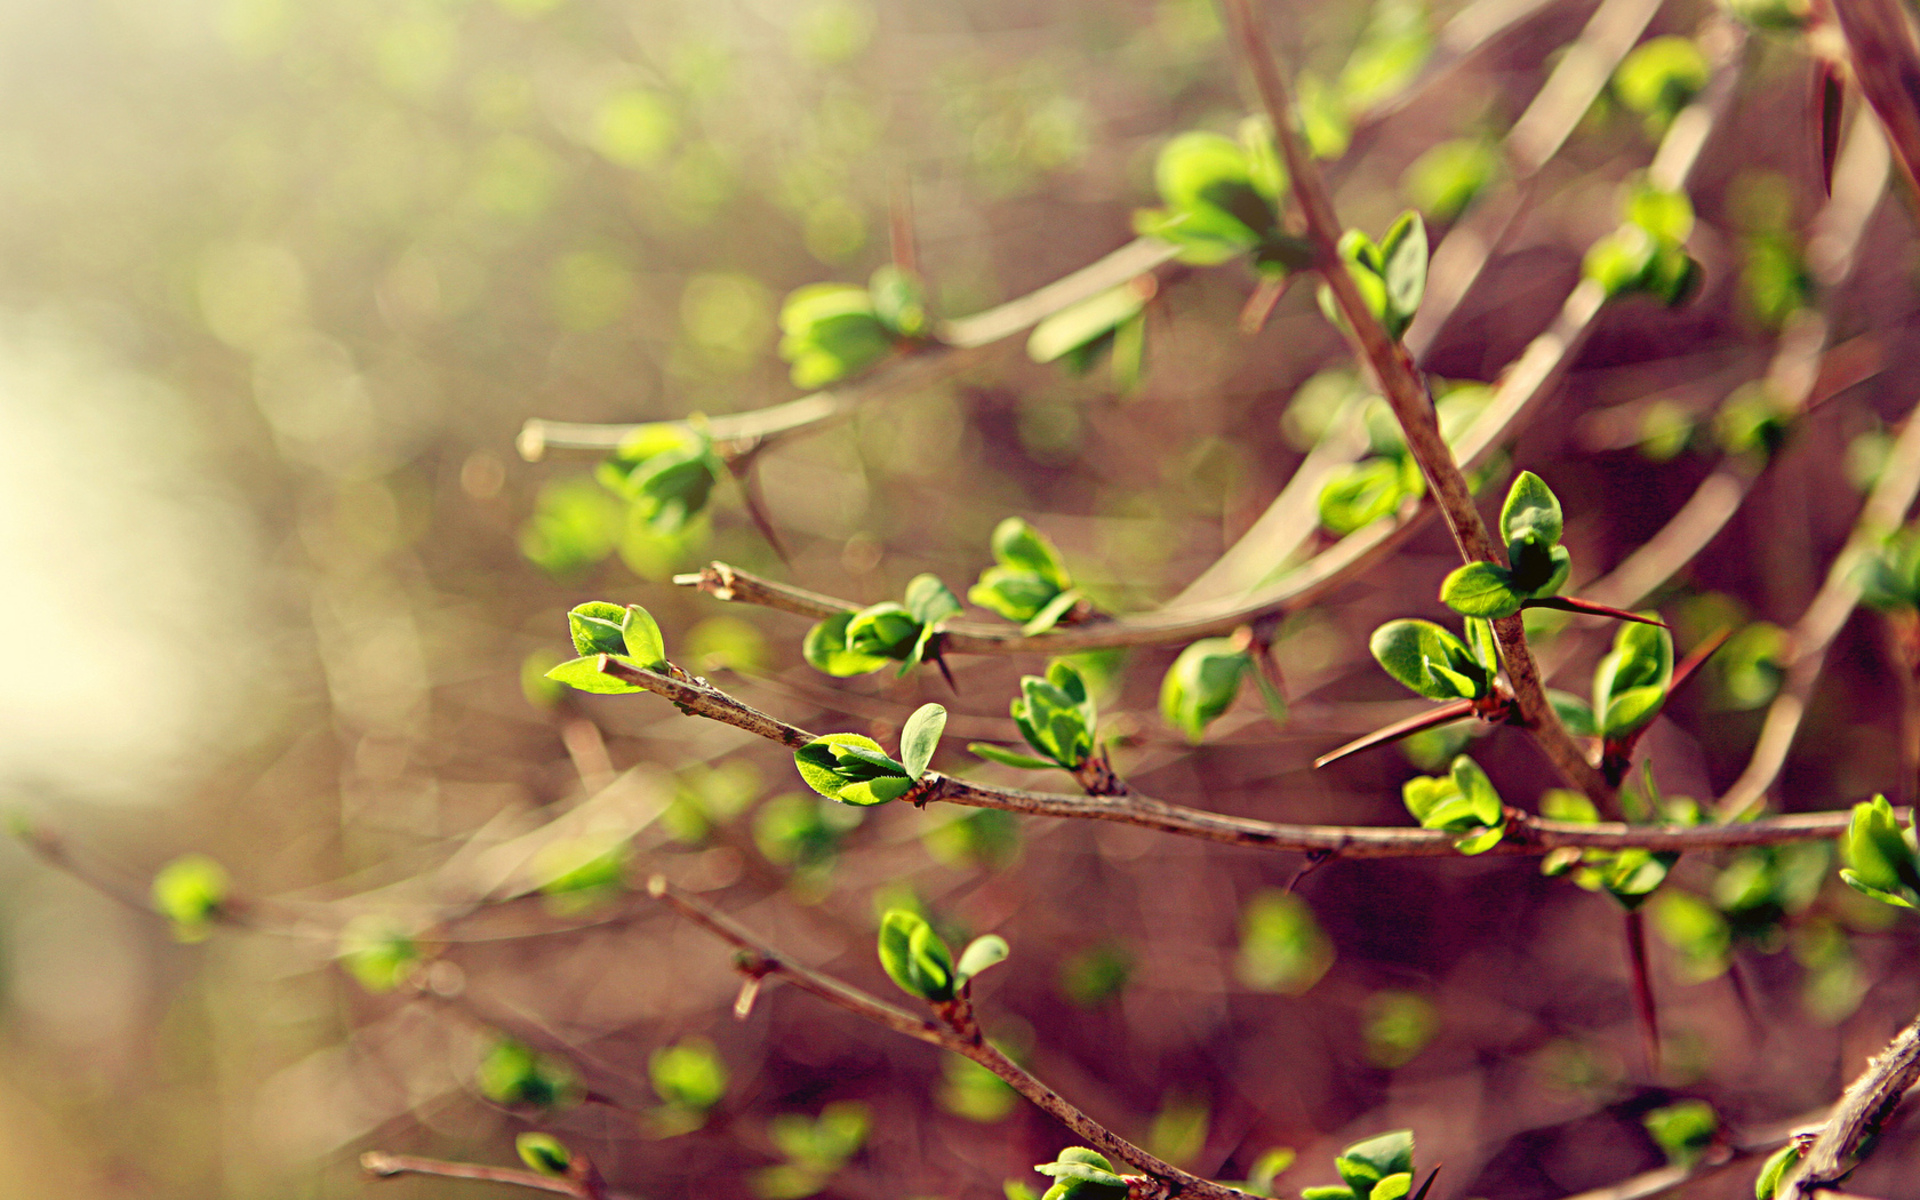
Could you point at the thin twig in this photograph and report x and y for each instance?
(1526, 834)
(1886, 68)
(1862, 1111)
(382, 1165)
(961, 1036)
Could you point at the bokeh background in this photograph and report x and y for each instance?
(279, 283)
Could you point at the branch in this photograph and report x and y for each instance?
(586, 1186)
(1886, 68)
(1862, 1111)
(1526, 834)
(959, 1035)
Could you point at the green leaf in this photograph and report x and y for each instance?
(1619, 262)
(899, 301)
(930, 601)
(851, 769)
(1482, 589)
(919, 737)
(1018, 545)
(1387, 1154)
(1015, 594)
(831, 330)
(1361, 493)
(1429, 661)
(914, 957)
(1201, 684)
(1327, 1192)
(1531, 507)
(1082, 324)
(1660, 77)
(1774, 1170)
(825, 649)
(1574, 713)
(1480, 640)
(513, 1073)
(1009, 758)
(585, 674)
(1403, 255)
(1393, 1187)
(544, 1153)
(1667, 215)
(377, 952)
(1631, 680)
(190, 892)
(688, 1074)
(1878, 851)
(597, 628)
(640, 637)
(1050, 613)
(883, 630)
(981, 953)
(1683, 1130)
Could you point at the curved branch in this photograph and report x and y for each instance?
(1862, 1111)
(1526, 834)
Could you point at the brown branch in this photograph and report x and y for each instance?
(959, 1034)
(382, 1165)
(1412, 406)
(1526, 834)
(1862, 1111)
(1886, 68)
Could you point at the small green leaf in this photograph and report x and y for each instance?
(1018, 545)
(1009, 758)
(597, 628)
(1631, 681)
(914, 957)
(1403, 255)
(513, 1073)
(851, 769)
(1482, 589)
(585, 675)
(1683, 1130)
(377, 952)
(544, 1153)
(899, 300)
(1448, 177)
(1574, 713)
(640, 636)
(981, 953)
(1430, 661)
(1015, 594)
(190, 892)
(919, 737)
(1774, 1170)
(1201, 684)
(825, 649)
(1531, 507)
(1050, 613)
(883, 630)
(688, 1074)
(1387, 1154)
(1878, 853)
(929, 601)
(1084, 323)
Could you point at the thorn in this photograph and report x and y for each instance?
(1830, 99)
(1693, 662)
(1260, 305)
(1315, 860)
(1643, 989)
(1452, 710)
(940, 661)
(1431, 1176)
(749, 992)
(1574, 604)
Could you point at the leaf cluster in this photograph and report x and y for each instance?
(1532, 523)
(1056, 716)
(1391, 276)
(1647, 252)
(903, 631)
(1463, 801)
(666, 472)
(917, 959)
(1879, 855)
(1630, 876)
(831, 330)
(629, 634)
(1028, 582)
(1430, 661)
(1629, 685)
(1360, 493)
(1221, 200)
(1082, 1174)
(1380, 1168)
(855, 770)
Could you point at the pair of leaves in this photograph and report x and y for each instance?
(1391, 276)
(666, 471)
(918, 961)
(514, 1073)
(1082, 1174)
(1380, 1168)
(855, 770)
(1203, 682)
(1647, 252)
(1629, 876)
(1428, 660)
(1532, 522)
(1630, 686)
(1221, 198)
(1880, 855)
(1028, 582)
(1890, 576)
(1463, 801)
(629, 634)
(859, 642)
(1056, 716)
(831, 330)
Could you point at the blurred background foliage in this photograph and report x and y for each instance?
(279, 283)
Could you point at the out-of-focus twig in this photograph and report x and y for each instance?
(1886, 68)
(960, 1034)
(584, 1183)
